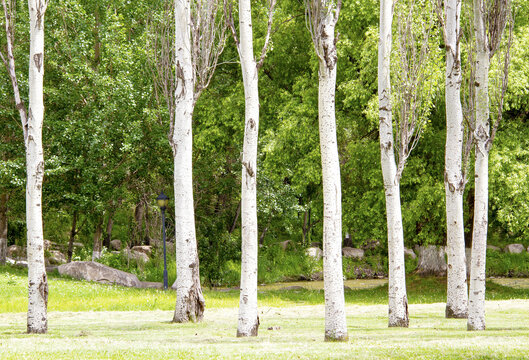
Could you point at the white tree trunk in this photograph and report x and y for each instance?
(398, 301)
(190, 302)
(335, 321)
(3, 228)
(248, 316)
(38, 284)
(457, 291)
(476, 307)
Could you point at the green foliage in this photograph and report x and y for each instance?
(275, 265)
(504, 264)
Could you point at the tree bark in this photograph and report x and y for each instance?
(108, 231)
(73, 232)
(457, 291)
(476, 307)
(190, 302)
(96, 250)
(3, 228)
(398, 301)
(248, 317)
(37, 319)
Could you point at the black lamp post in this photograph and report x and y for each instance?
(163, 200)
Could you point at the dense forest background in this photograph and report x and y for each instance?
(107, 156)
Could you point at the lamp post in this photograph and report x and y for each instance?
(163, 200)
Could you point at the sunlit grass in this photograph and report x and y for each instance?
(73, 295)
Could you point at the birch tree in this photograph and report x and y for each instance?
(410, 105)
(199, 38)
(32, 119)
(248, 317)
(322, 18)
(490, 20)
(454, 179)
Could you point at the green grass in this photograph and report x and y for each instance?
(93, 321)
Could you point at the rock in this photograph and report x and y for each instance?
(353, 253)
(514, 249)
(92, 271)
(495, 248)
(15, 252)
(51, 268)
(314, 252)
(285, 244)
(317, 276)
(136, 255)
(143, 249)
(48, 244)
(431, 261)
(292, 288)
(370, 244)
(363, 272)
(115, 245)
(409, 253)
(57, 258)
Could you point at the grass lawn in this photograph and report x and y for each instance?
(99, 322)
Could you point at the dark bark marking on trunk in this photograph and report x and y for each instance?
(37, 59)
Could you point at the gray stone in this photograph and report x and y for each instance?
(16, 252)
(317, 276)
(514, 248)
(136, 255)
(492, 247)
(363, 272)
(353, 253)
(409, 253)
(92, 271)
(314, 252)
(431, 261)
(285, 244)
(115, 245)
(147, 250)
(57, 258)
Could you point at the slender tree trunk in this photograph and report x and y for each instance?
(476, 308)
(73, 232)
(248, 317)
(398, 301)
(3, 228)
(37, 279)
(108, 231)
(235, 221)
(190, 302)
(457, 291)
(96, 250)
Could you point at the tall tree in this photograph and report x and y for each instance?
(199, 37)
(323, 16)
(490, 20)
(32, 119)
(398, 300)
(457, 290)
(248, 317)
(3, 228)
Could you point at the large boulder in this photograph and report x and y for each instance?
(431, 261)
(16, 252)
(57, 258)
(140, 257)
(147, 250)
(409, 254)
(115, 245)
(514, 248)
(314, 252)
(354, 253)
(92, 271)
(492, 247)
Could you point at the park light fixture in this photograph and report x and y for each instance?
(163, 201)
